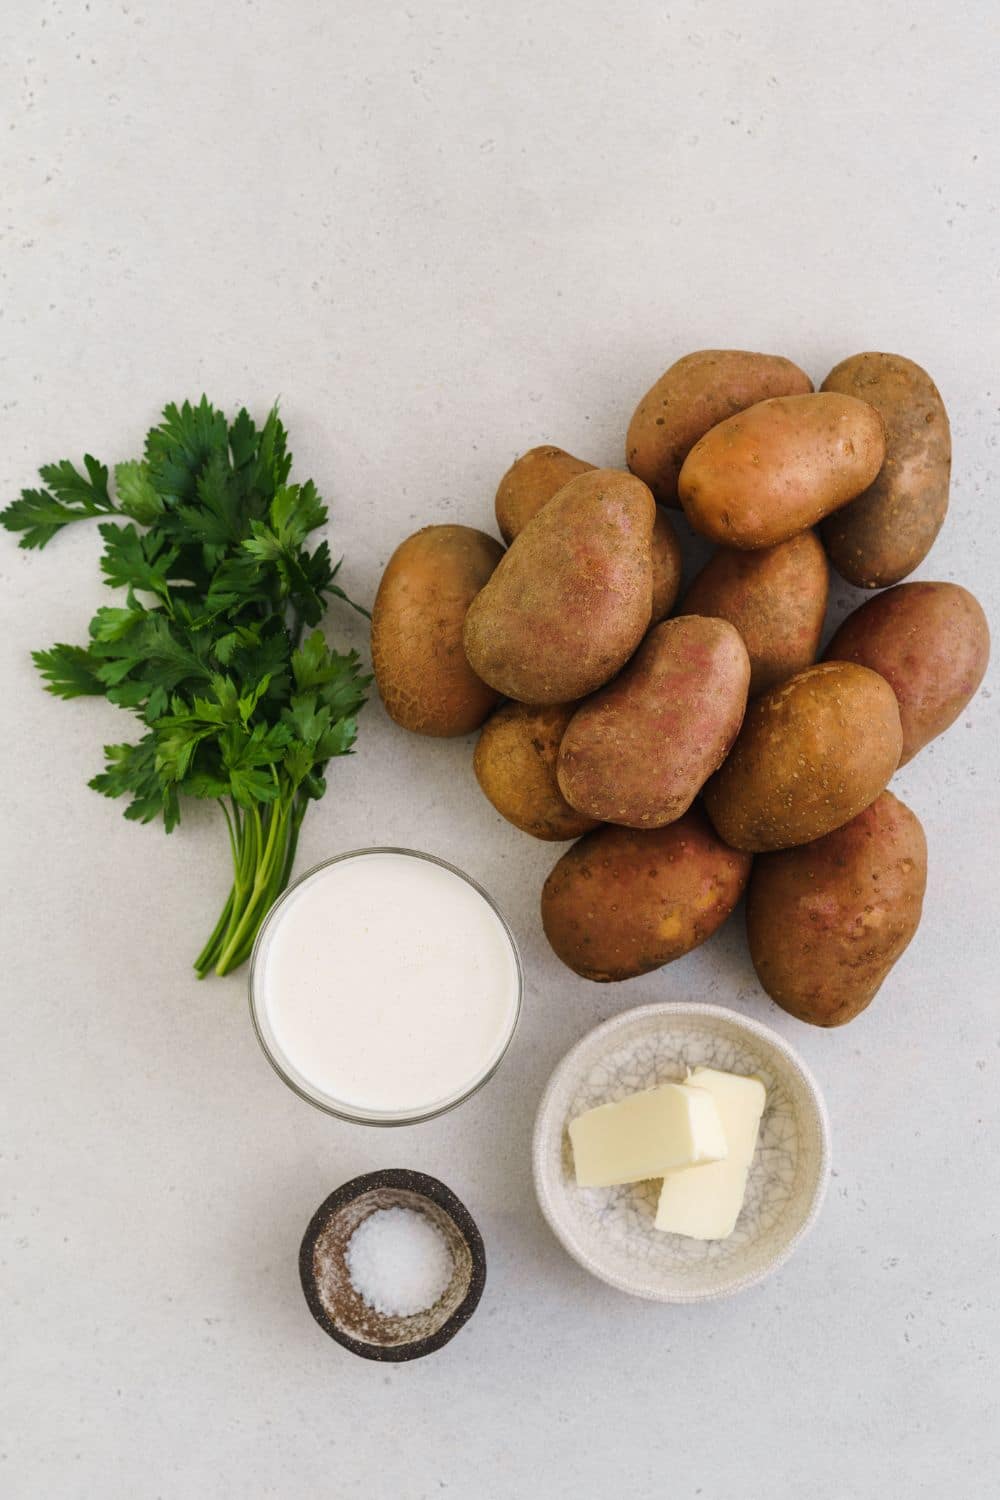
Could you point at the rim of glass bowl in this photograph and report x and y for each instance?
(334, 1107)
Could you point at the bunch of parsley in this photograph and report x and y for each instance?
(236, 703)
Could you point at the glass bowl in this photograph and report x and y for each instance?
(308, 1090)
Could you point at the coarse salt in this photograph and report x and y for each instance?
(399, 1261)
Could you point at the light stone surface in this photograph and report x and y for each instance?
(444, 233)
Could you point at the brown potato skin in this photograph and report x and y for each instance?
(776, 598)
(697, 393)
(931, 643)
(420, 666)
(888, 530)
(667, 566)
(639, 751)
(515, 764)
(623, 902)
(572, 597)
(827, 921)
(779, 467)
(813, 753)
(530, 483)
(538, 475)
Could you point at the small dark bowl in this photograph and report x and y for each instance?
(339, 1309)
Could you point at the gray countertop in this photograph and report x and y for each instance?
(444, 233)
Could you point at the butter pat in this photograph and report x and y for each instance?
(704, 1202)
(646, 1135)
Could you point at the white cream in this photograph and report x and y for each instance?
(386, 983)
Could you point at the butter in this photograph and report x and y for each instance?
(646, 1135)
(704, 1202)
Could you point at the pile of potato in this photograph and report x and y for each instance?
(697, 754)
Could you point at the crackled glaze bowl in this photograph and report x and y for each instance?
(610, 1230)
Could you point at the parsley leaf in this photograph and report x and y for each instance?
(181, 446)
(209, 541)
(138, 496)
(69, 485)
(136, 560)
(68, 671)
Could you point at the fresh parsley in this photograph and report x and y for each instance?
(215, 649)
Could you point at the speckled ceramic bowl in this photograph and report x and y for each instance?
(340, 1310)
(610, 1230)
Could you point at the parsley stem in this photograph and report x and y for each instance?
(262, 864)
(229, 828)
(298, 813)
(206, 957)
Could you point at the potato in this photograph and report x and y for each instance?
(778, 467)
(931, 643)
(420, 666)
(540, 474)
(622, 902)
(572, 598)
(515, 764)
(639, 751)
(667, 562)
(882, 535)
(695, 394)
(530, 483)
(776, 598)
(812, 753)
(827, 921)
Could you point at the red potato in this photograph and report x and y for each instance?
(931, 643)
(667, 565)
(572, 597)
(889, 529)
(623, 902)
(779, 467)
(776, 598)
(696, 393)
(530, 483)
(515, 764)
(827, 921)
(421, 669)
(639, 751)
(812, 753)
(538, 476)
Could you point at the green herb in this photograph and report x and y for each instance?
(209, 650)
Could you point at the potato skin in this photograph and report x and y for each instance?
(530, 483)
(697, 393)
(515, 764)
(889, 529)
(778, 467)
(538, 475)
(775, 597)
(623, 902)
(667, 565)
(931, 643)
(640, 750)
(421, 669)
(827, 921)
(572, 597)
(813, 753)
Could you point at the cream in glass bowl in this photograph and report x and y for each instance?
(385, 986)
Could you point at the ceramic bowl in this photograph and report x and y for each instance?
(337, 1306)
(610, 1230)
